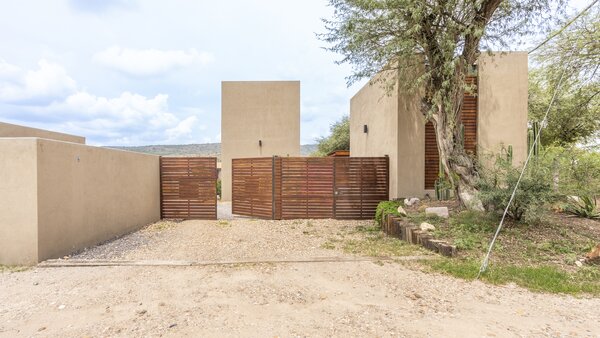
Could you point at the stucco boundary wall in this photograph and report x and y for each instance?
(60, 197)
(13, 130)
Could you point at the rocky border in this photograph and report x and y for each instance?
(398, 227)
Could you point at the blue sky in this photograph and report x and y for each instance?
(127, 72)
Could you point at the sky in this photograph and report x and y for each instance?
(140, 72)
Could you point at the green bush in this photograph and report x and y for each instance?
(532, 197)
(219, 187)
(576, 171)
(386, 208)
(584, 206)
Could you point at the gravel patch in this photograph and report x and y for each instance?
(382, 299)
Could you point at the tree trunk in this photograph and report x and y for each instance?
(457, 164)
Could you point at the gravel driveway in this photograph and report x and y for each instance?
(358, 298)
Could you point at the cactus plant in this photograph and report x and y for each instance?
(531, 134)
(509, 154)
(442, 186)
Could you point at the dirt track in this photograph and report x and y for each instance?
(300, 299)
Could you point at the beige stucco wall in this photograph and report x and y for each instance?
(73, 196)
(397, 126)
(374, 106)
(13, 130)
(502, 94)
(258, 110)
(18, 201)
(411, 146)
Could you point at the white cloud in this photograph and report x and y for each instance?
(49, 82)
(50, 98)
(183, 129)
(129, 119)
(147, 62)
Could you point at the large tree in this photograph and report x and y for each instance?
(442, 39)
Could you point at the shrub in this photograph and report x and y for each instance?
(584, 206)
(219, 187)
(386, 208)
(577, 170)
(532, 196)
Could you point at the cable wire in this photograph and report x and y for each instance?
(485, 262)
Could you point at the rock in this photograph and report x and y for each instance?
(593, 256)
(141, 312)
(411, 201)
(578, 263)
(437, 211)
(402, 212)
(574, 199)
(61, 307)
(427, 227)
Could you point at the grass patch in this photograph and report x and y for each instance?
(328, 245)
(377, 244)
(13, 268)
(538, 257)
(223, 224)
(162, 225)
(387, 208)
(543, 278)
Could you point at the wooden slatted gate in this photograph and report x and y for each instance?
(360, 184)
(188, 187)
(252, 187)
(309, 187)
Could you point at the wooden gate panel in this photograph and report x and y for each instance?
(360, 184)
(306, 187)
(309, 187)
(252, 187)
(188, 187)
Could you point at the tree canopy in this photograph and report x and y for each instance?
(574, 55)
(339, 138)
(442, 39)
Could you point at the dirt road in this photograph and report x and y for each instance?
(290, 299)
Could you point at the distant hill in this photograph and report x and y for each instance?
(206, 149)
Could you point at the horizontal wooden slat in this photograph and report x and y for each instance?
(188, 187)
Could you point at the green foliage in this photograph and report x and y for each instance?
(584, 206)
(575, 114)
(339, 139)
(539, 278)
(469, 230)
(386, 208)
(575, 171)
(13, 268)
(576, 48)
(497, 182)
(219, 187)
(443, 186)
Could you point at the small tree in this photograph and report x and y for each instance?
(339, 139)
(575, 116)
(442, 38)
